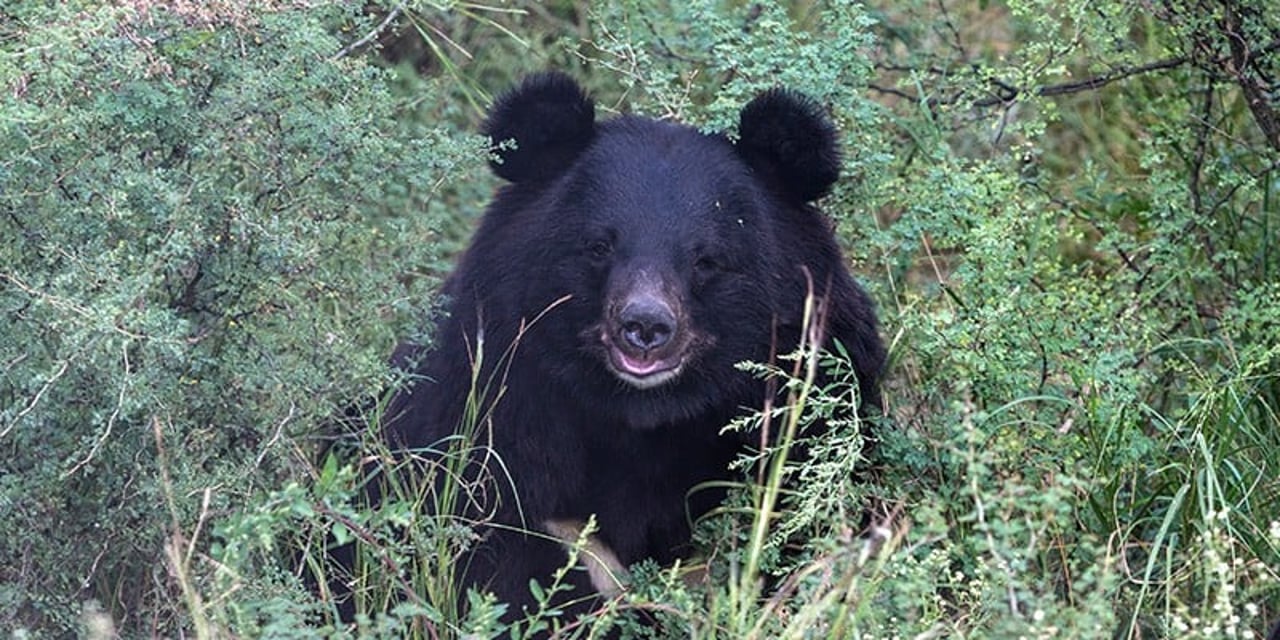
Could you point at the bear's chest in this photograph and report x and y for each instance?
(645, 487)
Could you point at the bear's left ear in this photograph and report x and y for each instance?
(551, 119)
(788, 135)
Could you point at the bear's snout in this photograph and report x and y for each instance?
(647, 323)
(644, 332)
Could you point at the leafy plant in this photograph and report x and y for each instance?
(218, 219)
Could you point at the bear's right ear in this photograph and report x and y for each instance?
(551, 120)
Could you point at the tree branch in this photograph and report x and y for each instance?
(1088, 84)
(392, 15)
(1257, 95)
(1009, 93)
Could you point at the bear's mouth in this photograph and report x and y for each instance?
(644, 371)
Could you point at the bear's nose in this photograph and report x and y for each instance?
(647, 324)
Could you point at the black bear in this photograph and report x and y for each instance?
(603, 303)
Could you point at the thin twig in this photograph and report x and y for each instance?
(1088, 84)
(111, 420)
(377, 31)
(36, 400)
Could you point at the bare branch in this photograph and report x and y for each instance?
(1256, 93)
(1009, 93)
(377, 31)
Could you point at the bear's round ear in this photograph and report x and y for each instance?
(788, 135)
(551, 121)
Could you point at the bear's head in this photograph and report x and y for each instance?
(654, 256)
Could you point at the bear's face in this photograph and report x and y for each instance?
(669, 237)
(660, 246)
(660, 239)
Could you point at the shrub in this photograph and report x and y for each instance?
(214, 230)
(218, 220)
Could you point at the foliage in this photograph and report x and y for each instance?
(218, 220)
(214, 231)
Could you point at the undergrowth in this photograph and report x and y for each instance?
(219, 219)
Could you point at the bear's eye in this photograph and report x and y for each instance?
(706, 267)
(599, 249)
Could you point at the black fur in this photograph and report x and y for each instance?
(705, 241)
(786, 133)
(551, 120)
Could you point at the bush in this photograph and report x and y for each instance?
(218, 221)
(215, 228)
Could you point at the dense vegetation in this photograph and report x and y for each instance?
(217, 219)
